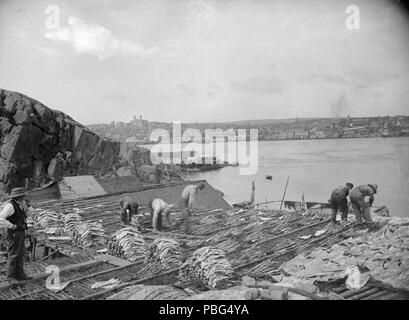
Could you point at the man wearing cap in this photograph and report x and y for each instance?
(185, 203)
(360, 207)
(156, 208)
(14, 218)
(129, 207)
(339, 202)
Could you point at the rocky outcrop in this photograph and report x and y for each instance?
(41, 144)
(138, 155)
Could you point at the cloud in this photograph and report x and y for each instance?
(358, 77)
(339, 106)
(95, 39)
(50, 52)
(213, 90)
(260, 85)
(328, 78)
(188, 91)
(114, 96)
(367, 76)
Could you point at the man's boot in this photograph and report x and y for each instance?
(12, 279)
(334, 216)
(23, 277)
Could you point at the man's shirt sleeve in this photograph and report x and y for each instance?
(7, 211)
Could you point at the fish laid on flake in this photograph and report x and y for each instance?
(207, 266)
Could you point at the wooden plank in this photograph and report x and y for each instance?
(353, 292)
(377, 295)
(82, 278)
(391, 296)
(39, 276)
(130, 283)
(364, 294)
(112, 260)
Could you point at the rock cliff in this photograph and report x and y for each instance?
(137, 154)
(38, 144)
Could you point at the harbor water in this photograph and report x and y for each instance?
(315, 167)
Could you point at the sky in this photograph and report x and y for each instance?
(207, 61)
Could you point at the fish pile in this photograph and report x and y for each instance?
(140, 221)
(30, 222)
(88, 234)
(137, 222)
(49, 221)
(208, 267)
(127, 243)
(164, 253)
(71, 220)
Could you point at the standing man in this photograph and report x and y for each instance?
(360, 207)
(14, 218)
(156, 208)
(129, 207)
(185, 203)
(158, 173)
(339, 202)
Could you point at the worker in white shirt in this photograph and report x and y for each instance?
(156, 208)
(14, 218)
(186, 201)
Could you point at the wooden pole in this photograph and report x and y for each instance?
(285, 191)
(253, 193)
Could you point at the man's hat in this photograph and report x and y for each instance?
(374, 186)
(17, 192)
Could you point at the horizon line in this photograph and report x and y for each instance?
(249, 120)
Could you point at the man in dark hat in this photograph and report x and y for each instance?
(129, 208)
(360, 207)
(14, 218)
(339, 202)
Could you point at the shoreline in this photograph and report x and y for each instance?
(267, 140)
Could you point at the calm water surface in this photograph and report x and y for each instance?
(315, 167)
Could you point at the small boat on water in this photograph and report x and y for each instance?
(195, 164)
(191, 169)
(269, 177)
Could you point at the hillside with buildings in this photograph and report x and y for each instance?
(139, 130)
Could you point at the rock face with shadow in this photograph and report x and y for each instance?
(38, 144)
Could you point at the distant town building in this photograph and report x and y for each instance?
(316, 133)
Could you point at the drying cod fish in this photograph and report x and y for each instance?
(127, 243)
(207, 266)
(141, 221)
(164, 253)
(71, 220)
(30, 222)
(49, 221)
(87, 234)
